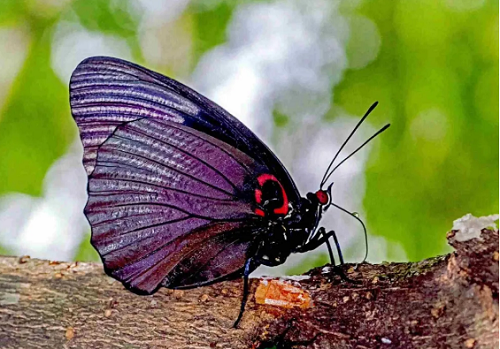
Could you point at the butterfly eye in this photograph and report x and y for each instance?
(322, 196)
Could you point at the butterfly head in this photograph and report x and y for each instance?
(324, 197)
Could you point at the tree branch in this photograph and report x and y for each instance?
(448, 301)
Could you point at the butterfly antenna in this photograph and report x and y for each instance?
(357, 149)
(323, 181)
(360, 221)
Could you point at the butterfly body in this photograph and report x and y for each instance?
(181, 194)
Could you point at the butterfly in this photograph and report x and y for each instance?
(180, 193)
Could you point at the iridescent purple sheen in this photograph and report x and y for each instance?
(171, 177)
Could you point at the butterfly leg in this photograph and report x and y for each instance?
(246, 273)
(318, 239)
(326, 239)
(338, 247)
(330, 252)
(322, 237)
(337, 268)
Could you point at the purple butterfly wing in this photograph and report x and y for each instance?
(105, 92)
(171, 177)
(160, 195)
(222, 257)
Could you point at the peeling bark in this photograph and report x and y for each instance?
(443, 302)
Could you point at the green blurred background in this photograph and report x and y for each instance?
(432, 65)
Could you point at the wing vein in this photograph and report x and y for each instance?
(193, 156)
(171, 168)
(146, 237)
(243, 165)
(184, 211)
(104, 193)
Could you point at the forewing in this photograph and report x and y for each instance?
(105, 92)
(156, 187)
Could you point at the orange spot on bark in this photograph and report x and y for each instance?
(282, 294)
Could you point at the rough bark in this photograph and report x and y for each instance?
(444, 302)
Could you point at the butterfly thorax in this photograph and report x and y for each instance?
(288, 234)
(304, 222)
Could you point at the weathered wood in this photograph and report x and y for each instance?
(444, 302)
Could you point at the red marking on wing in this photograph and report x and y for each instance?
(258, 196)
(322, 197)
(263, 178)
(259, 212)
